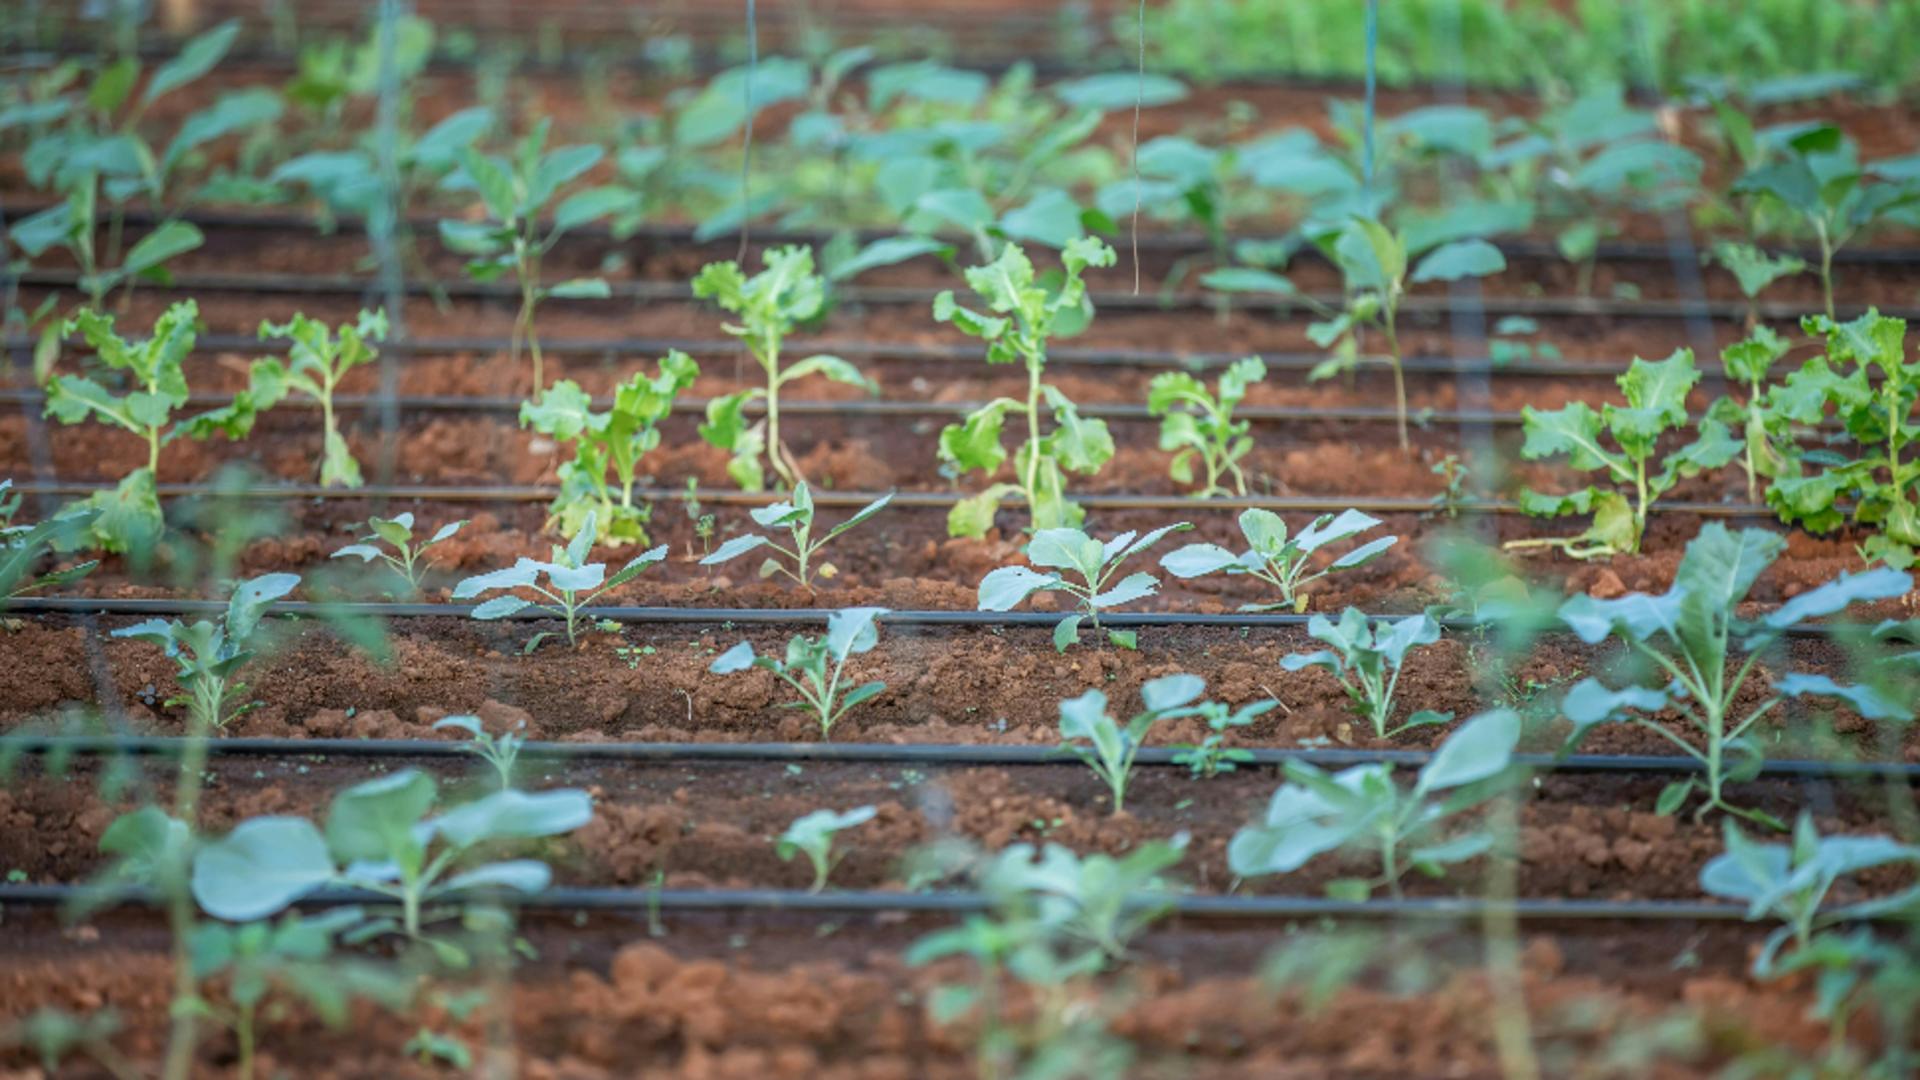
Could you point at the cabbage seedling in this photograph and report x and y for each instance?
(1090, 733)
(1765, 426)
(130, 518)
(406, 556)
(796, 516)
(850, 632)
(1212, 756)
(1279, 560)
(500, 752)
(770, 304)
(516, 236)
(1689, 633)
(613, 441)
(22, 546)
(315, 365)
(572, 583)
(1099, 900)
(383, 836)
(1026, 314)
(1368, 659)
(1314, 812)
(812, 835)
(1754, 270)
(1198, 426)
(1656, 404)
(1093, 561)
(209, 655)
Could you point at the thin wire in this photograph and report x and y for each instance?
(746, 138)
(1373, 37)
(1139, 95)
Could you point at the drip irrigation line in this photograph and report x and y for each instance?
(1538, 307)
(904, 754)
(921, 500)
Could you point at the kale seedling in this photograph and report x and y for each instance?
(1212, 756)
(1198, 426)
(612, 441)
(23, 546)
(1107, 747)
(314, 367)
(1754, 270)
(500, 752)
(850, 632)
(210, 654)
(1314, 813)
(572, 583)
(813, 834)
(1763, 423)
(1656, 395)
(1093, 561)
(130, 518)
(1689, 633)
(1279, 560)
(516, 235)
(1368, 660)
(406, 557)
(1026, 314)
(769, 305)
(796, 516)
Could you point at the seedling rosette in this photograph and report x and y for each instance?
(572, 583)
(796, 516)
(1282, 561)
(1093, 561)
(813, 666)
(1368, 660)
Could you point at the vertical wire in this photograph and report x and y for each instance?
(746, 138)
(383, 227)
(1139, 94)
(1373, 44)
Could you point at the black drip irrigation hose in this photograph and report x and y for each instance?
(877, 902)
(902, 754)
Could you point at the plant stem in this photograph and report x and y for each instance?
(1399, 379)
(1826, 264)
(1032, 478)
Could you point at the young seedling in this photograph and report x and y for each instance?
(407, 558)
(613, 441)
(1284, 562)
(1212, 756)
(572, 585)
(813, 834)
(813, 666)
(1197, 426)
(1314, 813)
(517, 233)
(1094, 562)
(129, 518)
(1768, 439)
(1689, 634)
(1453, 496)
(379, 837)
(1098, 902)
(500, 752)
(209, 655)
(796, 516)
(1374, 261)
(317, 362)
(1107, 747)
(23, 546)
(1754, 270)
(1882, 480)
(1368, 660)
(1656, 395)
(1026, 315)
(770, 304)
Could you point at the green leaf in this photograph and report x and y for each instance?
(887, 251)
(1477, 749)
(195, 59)
(581, 289)
(590, 205)
(157, 247)
(1460, 259)
(259, 868)
(1117, 90)
(1004, 588)
(374, 821)
(1673, 796)
(513, 814)
(1066, 632)
(962, 208)
(1248, 279)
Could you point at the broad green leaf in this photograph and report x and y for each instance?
(373, 821)
(259, 868)
(512, 814)
(1004, 588)
(1477, 749)
(1459, 259)
(196, 58)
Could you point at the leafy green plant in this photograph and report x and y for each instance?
(406, 557)
(612, 441)
(1689, 633)
(1282, 561)
(23, 546)
(1374, 261)
(1026, 314)
(209, 654)
(1211, 756)
(1753, 270)
(1197, 426)
(316, 363)
(1882, 480)
(1765, 427)
(1094, 562)
(796, 516)
(813, 834)
(501, 752)
(54, 1035)
(573, 584)
(1419, 828)
(1368, 660)
(383, 836)
(1107, 747)
(129, 518)
(517, 234)
(770, 304)
(1453, 495)
(850, 632)
(1656, 395)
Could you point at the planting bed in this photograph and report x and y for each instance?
(1566, 901)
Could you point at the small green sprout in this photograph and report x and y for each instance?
(1212, 756)
(850, 632)
(209, 655)
(1091, 734)
(1094, 561)
(1368, 660)
(1198, 426)
(796, 516)
(1279, 560)
(572, 583)
(314, 367)
(813, 835)
(406, 557)
(500, 752)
